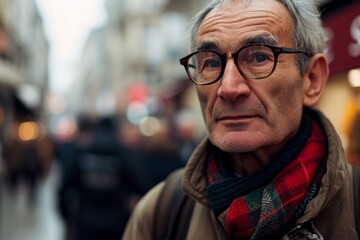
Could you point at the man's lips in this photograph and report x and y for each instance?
(235, 118)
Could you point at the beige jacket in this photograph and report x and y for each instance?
(328, 216)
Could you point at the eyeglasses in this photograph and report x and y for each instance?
(253, 62)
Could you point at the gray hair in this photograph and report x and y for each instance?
(308, 31)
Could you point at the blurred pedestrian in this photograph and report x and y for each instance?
(27, 161)
(95, 191)
(149, 159)
(23, 168)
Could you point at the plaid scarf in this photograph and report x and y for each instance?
(267, 204)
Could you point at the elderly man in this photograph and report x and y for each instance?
(271, 167)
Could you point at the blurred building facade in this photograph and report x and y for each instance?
(23, 60)
(141, 43)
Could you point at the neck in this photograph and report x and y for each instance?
(244, 164)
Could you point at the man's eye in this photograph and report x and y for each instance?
(259, 58)
(212, 63)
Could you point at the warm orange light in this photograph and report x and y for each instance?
(28, 131)
(354, 77)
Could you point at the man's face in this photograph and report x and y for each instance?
(247, 115)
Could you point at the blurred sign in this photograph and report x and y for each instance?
(343, 38)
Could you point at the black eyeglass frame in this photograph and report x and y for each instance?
(276, 51)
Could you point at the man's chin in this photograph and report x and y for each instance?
(235, 143)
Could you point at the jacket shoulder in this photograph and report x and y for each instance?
(140, 224)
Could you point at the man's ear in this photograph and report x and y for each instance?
(315, 79)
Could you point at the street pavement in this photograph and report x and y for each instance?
(25, 220)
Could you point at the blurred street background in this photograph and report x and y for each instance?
(95, 108)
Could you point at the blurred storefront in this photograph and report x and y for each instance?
(23, 84)
(341, 100)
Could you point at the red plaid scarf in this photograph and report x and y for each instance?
(272, 209)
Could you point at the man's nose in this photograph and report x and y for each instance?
(232, 83)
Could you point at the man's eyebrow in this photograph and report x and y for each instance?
(260, 39)
(208, 45)
(251, 40)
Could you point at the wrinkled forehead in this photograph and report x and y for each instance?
(233, 21)
(245, 3)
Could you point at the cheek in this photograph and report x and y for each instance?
(203, 100)
(287, 101)
(285, 91)
(206, 102)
